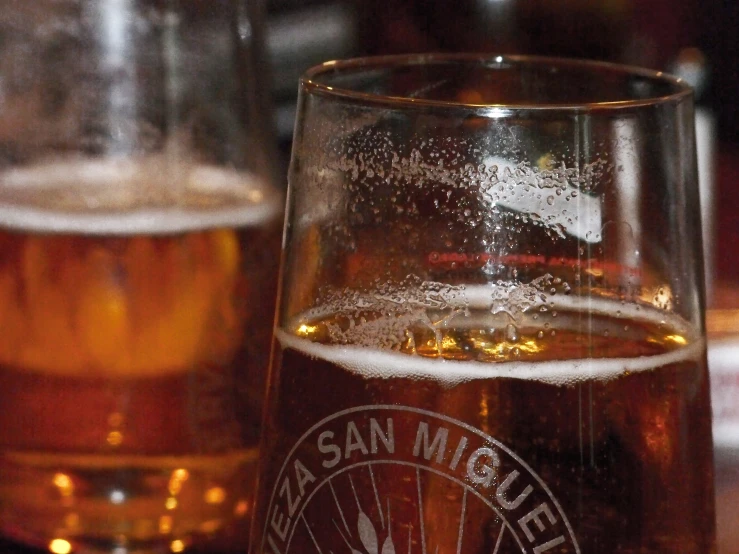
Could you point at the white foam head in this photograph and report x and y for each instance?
(377, 363)
(131, 197)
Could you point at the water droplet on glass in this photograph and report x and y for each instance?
(550, 200)
(540, 334)
(512, 332)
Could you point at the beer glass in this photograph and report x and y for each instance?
(490, 333)
(139, 241)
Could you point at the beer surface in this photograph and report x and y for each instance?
(572, 345)
(589, 434)
(126, 197)
(110, 274)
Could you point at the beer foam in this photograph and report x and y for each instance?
(373, 362)
(132, 197)
(379, 364)
(479, 296)
(497, 295)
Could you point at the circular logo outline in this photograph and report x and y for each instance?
(418, 411)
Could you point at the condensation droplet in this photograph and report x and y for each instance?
(550, 200)
(540, 334)
(512, 332)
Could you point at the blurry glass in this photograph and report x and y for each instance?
(139, 236)
(490, 325)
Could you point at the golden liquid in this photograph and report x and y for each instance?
(610, 412)
(132, 363)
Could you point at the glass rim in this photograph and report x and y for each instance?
(309, 82)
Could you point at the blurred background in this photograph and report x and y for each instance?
(649, 33)
(695, 39)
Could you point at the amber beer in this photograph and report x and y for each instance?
(456, 430)
(135, 330)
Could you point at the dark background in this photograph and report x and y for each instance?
(648, 33)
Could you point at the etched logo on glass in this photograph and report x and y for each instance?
(399, 480)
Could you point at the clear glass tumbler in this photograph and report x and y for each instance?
(490, 327)
(139, 240)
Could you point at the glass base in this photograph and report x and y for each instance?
(88, 504)
(11, 547)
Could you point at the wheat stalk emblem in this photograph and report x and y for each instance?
(368, 535)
